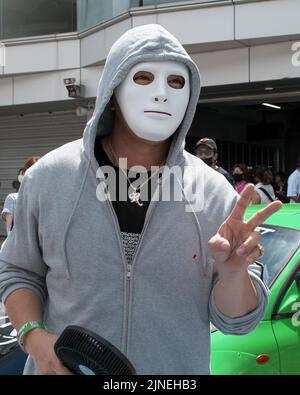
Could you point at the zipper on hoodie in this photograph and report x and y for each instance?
(128, 275)
(129, 267)
(128, 287)
(128, 271)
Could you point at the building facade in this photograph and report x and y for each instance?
(248, 53)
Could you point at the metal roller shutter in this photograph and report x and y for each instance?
(30, 135)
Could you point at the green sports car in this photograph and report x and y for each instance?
(274, 346)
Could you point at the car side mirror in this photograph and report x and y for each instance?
(291, 300)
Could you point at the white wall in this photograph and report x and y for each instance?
(269, 62)
(203, 25)
(273, 18)
(28, 57)
(42, 87)
(223, 67)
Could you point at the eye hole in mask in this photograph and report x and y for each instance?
(146, 78)
(153, 98)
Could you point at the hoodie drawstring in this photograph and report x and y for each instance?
(64, 238)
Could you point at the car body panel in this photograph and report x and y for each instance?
(237, 354)
(287, 216)
(288, 341)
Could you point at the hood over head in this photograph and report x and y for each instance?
(141, 44)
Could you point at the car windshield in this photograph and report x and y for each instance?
(279, 244)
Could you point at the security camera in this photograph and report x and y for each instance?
(73, 89)
(69, 81)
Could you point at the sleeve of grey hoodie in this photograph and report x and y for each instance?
(21, 261)
(247, 323)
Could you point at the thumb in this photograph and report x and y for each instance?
(219, 246)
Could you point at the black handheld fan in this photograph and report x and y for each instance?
(85, 353)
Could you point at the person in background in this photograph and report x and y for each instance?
(264, 191)
(11, 199)
(8, 210)
(280, 187)
(240, 174)
(293, 190)
(16, 184)
(207, 150)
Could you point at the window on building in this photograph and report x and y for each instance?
(19, 18)
(92, 12)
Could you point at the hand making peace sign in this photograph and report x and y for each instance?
(235, 246)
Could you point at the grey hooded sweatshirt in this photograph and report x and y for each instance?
(66, 245)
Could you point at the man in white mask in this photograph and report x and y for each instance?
(153, 99)
(145, 274)
(149, 106)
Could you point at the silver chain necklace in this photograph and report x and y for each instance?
(133, 196)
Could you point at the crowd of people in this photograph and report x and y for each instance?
(268, 187)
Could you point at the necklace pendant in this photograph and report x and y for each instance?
(135, 198)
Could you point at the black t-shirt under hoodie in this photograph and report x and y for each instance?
(131, 216)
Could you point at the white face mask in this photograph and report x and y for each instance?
(153, 98)
(20, 178)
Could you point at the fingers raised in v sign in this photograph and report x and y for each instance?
(238, 212)
(243, 202)
(263, 214)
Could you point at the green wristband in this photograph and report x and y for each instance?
(27, 327)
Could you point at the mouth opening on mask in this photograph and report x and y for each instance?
(159, 112)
